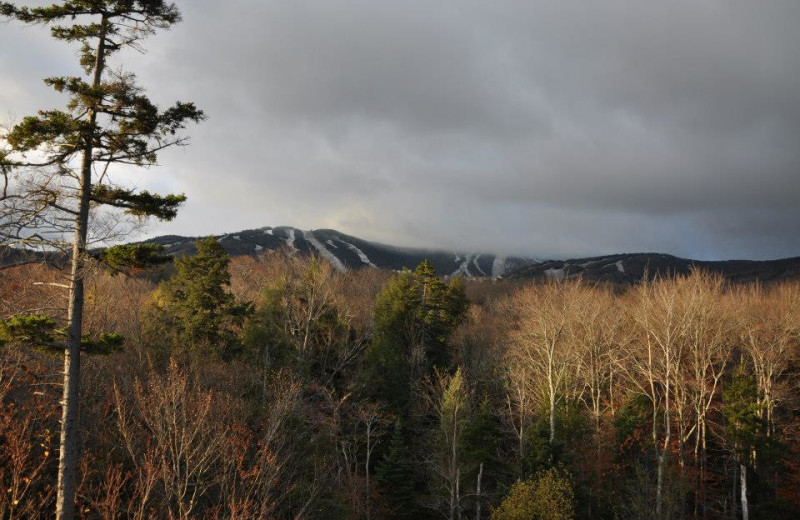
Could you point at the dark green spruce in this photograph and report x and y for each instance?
(194, 310)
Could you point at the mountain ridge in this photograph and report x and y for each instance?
(627, 268)
(346, 252)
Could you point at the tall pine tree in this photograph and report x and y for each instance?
(66, 161)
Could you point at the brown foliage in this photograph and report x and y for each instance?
(27, 439)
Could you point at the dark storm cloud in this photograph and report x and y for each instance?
(552, 128)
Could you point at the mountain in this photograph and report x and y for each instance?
(347, 252)
(631, 268)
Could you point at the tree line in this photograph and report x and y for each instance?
(276, 387)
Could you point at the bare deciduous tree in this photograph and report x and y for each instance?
(662, 317)
(769, 324)
(174, 434)
(539, 351)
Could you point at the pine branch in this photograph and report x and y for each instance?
(143, 203)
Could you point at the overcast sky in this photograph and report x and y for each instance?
(552, 128)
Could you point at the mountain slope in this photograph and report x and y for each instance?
(348, 252)
(631, 268)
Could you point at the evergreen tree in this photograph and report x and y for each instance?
(396, 479)
(441, 308)
(194, 309)
(482, 454)
(741, 411)
(388, 357)
(414, 318)
(755, 451)
(66, 158)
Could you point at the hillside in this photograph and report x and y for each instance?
(631, 268)
(347, 252)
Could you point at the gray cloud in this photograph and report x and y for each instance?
(551, 128)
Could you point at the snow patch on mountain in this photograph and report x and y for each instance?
(498, 266)
(290, 240)
(361, 255)
(477, 266)
(323, 251)
(463, 269)
(620, 267)
(330, 243)
(554, 274)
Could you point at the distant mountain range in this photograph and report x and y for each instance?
(631, 268)
(347, 252)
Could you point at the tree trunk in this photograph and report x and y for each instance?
(662, 457)
(658, 459)
(743, 491)
(703, 466)
(662, 461)
(734, 509)
(660, 486)
(478, 494)
(452, 514)
(458, 493)
(366, 470)
(552, 389)
(68, 449)
(552, 421)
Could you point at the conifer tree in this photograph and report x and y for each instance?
(388, 356)
(482, 446)
(414, 318)
(194, 309)
(744, 427)
(64, 161)
(396, 479)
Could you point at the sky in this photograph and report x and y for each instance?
(551, 128)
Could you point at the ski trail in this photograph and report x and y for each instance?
(498, 266)
(464, 267)
(290, 240)
(361, 255)
(323, 251)
(477, 266)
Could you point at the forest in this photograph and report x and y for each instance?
(276, 387)
(137, 386)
